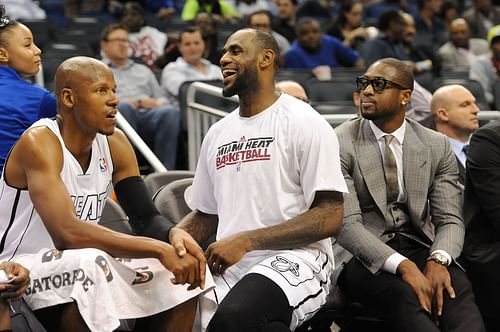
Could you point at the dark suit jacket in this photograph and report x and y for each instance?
(461, 172)
(482, 195)
(434, 196)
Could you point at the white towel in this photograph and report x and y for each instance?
(105, 289)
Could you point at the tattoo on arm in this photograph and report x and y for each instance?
(199, 225)
(323, 220)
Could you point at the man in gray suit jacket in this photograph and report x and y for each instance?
(402, 217)
(461, 50)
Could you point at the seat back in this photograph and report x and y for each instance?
(331, 90)
(154, 181)
(170, 202)
(113, 217)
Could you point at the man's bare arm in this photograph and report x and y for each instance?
(200, 225)
(322, 220)
(35, 163)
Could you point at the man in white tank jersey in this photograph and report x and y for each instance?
(269, 184)
(52, 192)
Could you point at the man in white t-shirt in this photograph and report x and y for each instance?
(269, 184)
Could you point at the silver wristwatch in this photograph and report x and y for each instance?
(438, 258)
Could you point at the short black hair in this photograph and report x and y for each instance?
(189, 29)
(386, 18)
(259, 12)
(304, 20)
(266, 41)
(404, 72)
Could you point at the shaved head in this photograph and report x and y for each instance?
(76, 71)
(443, 96)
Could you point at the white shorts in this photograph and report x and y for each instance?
(303, 275)
(106, 290)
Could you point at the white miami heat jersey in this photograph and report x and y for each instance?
(21, 228)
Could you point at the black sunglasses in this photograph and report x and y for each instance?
(378, 83)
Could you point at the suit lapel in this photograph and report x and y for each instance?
(416, 166)
(370, 164)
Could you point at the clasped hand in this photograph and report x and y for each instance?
(226, 252)
(429, 286)
(190, 263)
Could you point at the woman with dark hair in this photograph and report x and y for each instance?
(348, 25)
(21, 103)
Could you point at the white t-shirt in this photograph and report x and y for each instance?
(22, 230)
(147, 44)
(264, 170)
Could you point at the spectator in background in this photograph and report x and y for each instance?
(388, 43)
(21, 103)
(482, 16)
(481, 253)
(221, 10)
(449, 12)
(293, 89)
(312, 49)
(191, 66)
(247, 7)
(24, 9)
(142, 101)
(430, 28)
(145, 42)
(208, 28)
(486, 68)
(455, 114)
(75, 8)
(422, 60)
(262, 20)
(461, 50)
(347, 27)
(165, 8)
(284, 23)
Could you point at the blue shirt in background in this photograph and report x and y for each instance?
(331, 52)
(21, 104)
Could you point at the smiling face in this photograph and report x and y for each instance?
(191, 46)
(19, 51)
(239, 63)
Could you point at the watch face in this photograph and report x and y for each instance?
(440, 258)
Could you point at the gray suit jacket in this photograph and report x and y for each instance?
(434, 195)
(451, 58)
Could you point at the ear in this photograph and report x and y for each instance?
(442, 114)
(4, 55)
(267, 58)
(67, 98)
(405, 97)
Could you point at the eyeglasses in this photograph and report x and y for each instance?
(119, 40)
(378, 83)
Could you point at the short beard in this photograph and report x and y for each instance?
(241, 84)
